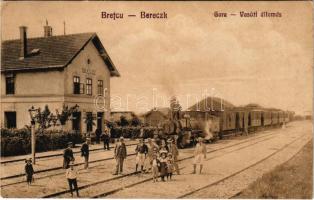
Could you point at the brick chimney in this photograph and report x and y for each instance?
(23, 38)
(47, 30)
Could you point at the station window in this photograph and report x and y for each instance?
(9, 85)
(100, 87)
(82, 89)
(76, 85)
(89, 86)
(89, 121)
(10, 119)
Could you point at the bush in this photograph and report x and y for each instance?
(132, 132)
(18, 141)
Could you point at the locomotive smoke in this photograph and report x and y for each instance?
(205, 128)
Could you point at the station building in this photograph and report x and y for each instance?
(55, 71)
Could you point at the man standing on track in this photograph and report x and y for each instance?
(199, 155)
(106, 139)
(67, 156)
(120, 154)
(85, 152)
(141, 151)
(173, 149)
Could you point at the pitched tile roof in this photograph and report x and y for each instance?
(54, 52)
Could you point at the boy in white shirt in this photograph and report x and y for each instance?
(71, 175)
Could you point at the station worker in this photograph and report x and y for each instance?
(120, 154)
(85, 152)
(68, 156)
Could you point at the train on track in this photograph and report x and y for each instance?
(213, 124)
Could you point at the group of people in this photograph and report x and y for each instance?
(156, 156)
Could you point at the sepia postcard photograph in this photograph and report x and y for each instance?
(157, 99)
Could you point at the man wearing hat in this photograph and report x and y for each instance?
(85, 152)
(120, 154)
(141, 151)
(71, 175)
(106, 138)
(173, 149)
(67, 156)
(199, 155)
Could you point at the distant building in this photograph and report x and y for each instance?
(156, 116)
(55, 70)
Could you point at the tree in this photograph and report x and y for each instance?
(66, 113)
(135, 121)
(123, 121)
(44, 118)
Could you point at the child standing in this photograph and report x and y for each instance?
(29, 171)
(155, 167)
(163, 165)
(169, 166)
(71, 175)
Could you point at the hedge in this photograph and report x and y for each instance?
(18, 141)
(132, 132)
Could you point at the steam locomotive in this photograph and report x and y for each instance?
(215, 124)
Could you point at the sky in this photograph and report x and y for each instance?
(191, 54)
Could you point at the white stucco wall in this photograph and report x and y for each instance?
(56, 87)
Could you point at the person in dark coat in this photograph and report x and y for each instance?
(85, 152)
(29, 171)
(173, 149)
(141, 152)
(106, 139)
(98, 135)
(163, 164)
(67, 156)
(120, 154)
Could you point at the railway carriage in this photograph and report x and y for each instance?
(287, 119)
(227, 121)
(281, 117)
(266, 118)
(217, 123)
(255, 118)
(274, 118)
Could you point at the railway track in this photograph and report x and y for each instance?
(61, 171)
(147, 178)
(239, 171)
(2, 162)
